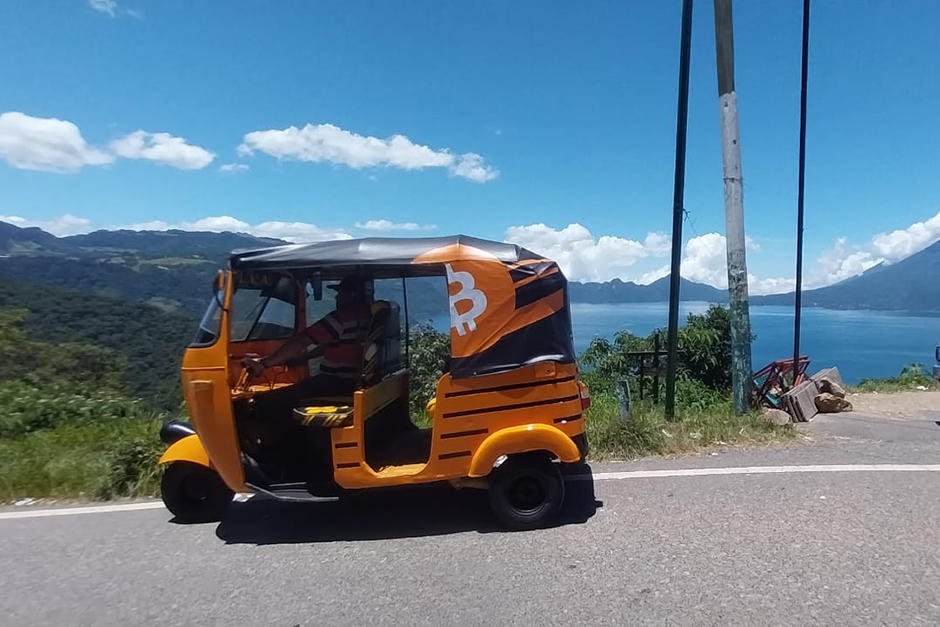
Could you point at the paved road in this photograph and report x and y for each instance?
(850, 547)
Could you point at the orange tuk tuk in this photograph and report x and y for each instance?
(299, 394)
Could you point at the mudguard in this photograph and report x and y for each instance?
(521, 439)
(188, 449)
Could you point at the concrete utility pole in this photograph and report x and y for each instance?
(678, 193)
(734, 210)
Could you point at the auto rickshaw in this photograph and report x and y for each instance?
(508, 410)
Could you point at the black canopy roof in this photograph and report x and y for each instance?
(366, 251)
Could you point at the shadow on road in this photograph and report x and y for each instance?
(405, 512)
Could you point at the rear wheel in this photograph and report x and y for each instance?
(527, 491)
(194, 493)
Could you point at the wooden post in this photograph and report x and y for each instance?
(678, 193)
(734, 210)
(656, 347)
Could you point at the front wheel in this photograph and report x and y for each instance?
(527, 492)
(194, 493)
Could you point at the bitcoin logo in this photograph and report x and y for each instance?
(465, 322)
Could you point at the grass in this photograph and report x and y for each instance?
(99, 460)
(649, 433)
(114, 454)
(912, 377)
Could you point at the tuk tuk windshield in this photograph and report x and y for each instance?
(208, 331)
(263, 312)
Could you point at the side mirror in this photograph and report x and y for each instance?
(316, 281)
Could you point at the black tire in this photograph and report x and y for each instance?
(194, 493)
(527, 492)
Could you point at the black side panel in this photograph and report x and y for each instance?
(549, 339)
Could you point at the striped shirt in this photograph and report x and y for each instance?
(338, 332)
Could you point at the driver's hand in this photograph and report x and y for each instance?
(254, 365)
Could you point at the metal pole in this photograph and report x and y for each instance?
(404, 298)
(682, 119)
(799, 203)
(741, 382)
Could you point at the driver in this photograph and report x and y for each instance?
(339, 341)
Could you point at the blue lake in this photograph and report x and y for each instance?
(861, 343)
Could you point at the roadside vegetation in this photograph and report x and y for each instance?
(74, 424)
(912, 377)
(68, 426)
(704, 415)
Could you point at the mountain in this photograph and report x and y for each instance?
(912, 284)
(19, 241)
(617, 291)
(203, 244)
(172, 269)
(169, 269)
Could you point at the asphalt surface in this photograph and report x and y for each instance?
(855, 547)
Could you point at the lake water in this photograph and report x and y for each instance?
(861, 343)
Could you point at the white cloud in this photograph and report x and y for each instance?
(472, 167)
(706, 261)
(653, 275)
(387, 225)
(289, 231)
(233, 168)
(46, 144)
(104, 6)
(215, 224)
(152, 225)
(164, 148)
(770, 285)
(297, 231)
(840, 262)
(63, 225)
(905, 242)
(581, 256)
(326, 142)
(657, 243)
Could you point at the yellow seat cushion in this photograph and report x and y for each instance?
(328, 416)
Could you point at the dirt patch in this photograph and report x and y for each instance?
(897, 405)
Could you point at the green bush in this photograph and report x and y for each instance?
(25, 408)
(705, 367)
(911, 377)
(429, 352)
(91, 460)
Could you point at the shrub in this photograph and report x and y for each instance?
(25, 408)
(911, 377)
(706, 340)
(429, 352)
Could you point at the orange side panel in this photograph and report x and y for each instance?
(521, 439)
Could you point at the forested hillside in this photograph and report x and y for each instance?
(145, 343)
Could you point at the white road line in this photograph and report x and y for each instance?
(756, 470)
(74, 511)
(600, 476)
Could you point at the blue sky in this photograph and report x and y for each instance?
(549, 124)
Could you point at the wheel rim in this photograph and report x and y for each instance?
(527, 494)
